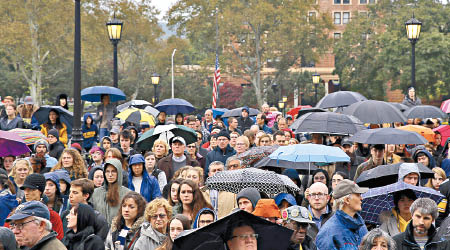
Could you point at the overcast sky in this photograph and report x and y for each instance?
(163, 5)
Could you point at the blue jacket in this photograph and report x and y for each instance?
(218, 155)
(7, 203)
(341, 232)
(149, 186)
(266, 129)
(90, 135)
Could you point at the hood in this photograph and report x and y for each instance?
(136, 225)
(86, 116)
(7, 238)
(85, 217)
(407, 168)
(421, 149)
(92, 171)
(287, 197)
(130, 174)
(107, 138)
(118, 165)
(55, 179)
(202, 211)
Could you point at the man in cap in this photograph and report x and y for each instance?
(41, 148)
(247, 199)
(31, 225)
(177, 159)
(114, 135)
(376, 159)
(244, 121)
(297, 218)
(346, 228)
(349, 167)
(222, 151)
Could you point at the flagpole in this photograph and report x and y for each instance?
(217, 52)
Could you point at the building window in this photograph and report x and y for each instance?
(337, 36)
(345, 17)
(337, 17)
(362, 1)
(346, 1)
(311, 16)
(337, 1)
(372, 1)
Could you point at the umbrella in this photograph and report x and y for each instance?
(387, 136)
(140, 104)
(295, 110)
(237, 112)
(65, 116)
(136, 116)
(421, 130)
(309, 110)
(12, 144)
(445, 106)
(310, 153)
(444, 130)
(340, 99)
(93, 94)
(387, 174)
(213, 236)
(218, 111)
(29, 136)
(327, 123)
(174, 106)
(380, 199)
(234, 181)
(375, 112)
(424, 111)
(301, 167)
(151, 110)
(400, 106)
(255, 154)
(165, 132)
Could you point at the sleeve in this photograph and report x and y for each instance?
(57, 225)
(162, 180)
(63, 135)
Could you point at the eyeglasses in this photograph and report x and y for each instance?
(19, 226)
(191, 146)
(318, 195)
(156, 216)
(246, 236)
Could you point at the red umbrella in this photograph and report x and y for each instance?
(445, 106)
(295, 110)
(12, 144)
(444, 130)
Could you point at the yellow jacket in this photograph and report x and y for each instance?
(62, 133)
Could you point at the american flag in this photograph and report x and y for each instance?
(216, 82)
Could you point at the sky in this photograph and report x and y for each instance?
(163, 6)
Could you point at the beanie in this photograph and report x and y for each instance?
(250, 193)
(222, 133)
(34, 181)
(41, 142)
(54, 132)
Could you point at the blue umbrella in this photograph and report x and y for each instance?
(65, 116)
(218, 111)
(93, 94)
(310, 153)
(174, 106)
(380, 199)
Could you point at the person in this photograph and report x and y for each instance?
(80, 233)
(154, 230)
(409, 173)
(345, 229)
(222, 152)
(233, 126)
(204, 217)
(285, 200)
(337, 177)
(395, 221)
(20, 171)
(207, 124)
(297, 219)
(90, 132)
(421, 155)
(54, 122)
(242, 144)
(195, 174)
(126, 139)
(41, 149)
(152, 169)
(420, 232)
(265, 140)
(161, 118)
(376, 159)
(160, 149)
(55, 146)
(7, 163)
(32, 228)
(55, 201)
(135, 133)
(6, 101)
(411, 99)
(97, 156)
(105, 143)
(97, 176)
(126, 226)
(439, 177)
(262, 123)
(193, 153)
(191, 200)
(27, 109)
(244, 121)
(319, 207)
(247, 199)
(177, 225)
(7, 239)
(279, 138)
(114, 153)
(8, 198)
(140, 181)
(172, 191)
(177, 159)
(61, 100)
(11, 120)
(114, 135)
(241, 235)
(106, 111)
(267, 209)
(73, 163)
(377, 239)
(349, 168)
(106, 198)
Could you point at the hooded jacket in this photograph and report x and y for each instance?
(7, 239)
(99, 196)
(7, 203)
(150, 238)
(407, 168)
(202, 211)
(421, 149)
(149, 186)
(90, 134)
(218, 155)
(406, 241)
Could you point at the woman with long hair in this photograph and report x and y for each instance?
(179, 119)
(191, 200)
(114, 153)
(19, 172)
(171, 191)
(140, 181)
(52, 190)
(152, 169)
(439, 177)
(55, 122)
(160, 148)
(126, 226)
(7, 163)
(106, 198)
(395, 221)
(177, 225)
(72, 162)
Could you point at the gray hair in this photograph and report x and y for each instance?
(232, 158)
(217, 163)
(368, 240)
(338, 204)
(48, 224)
(425, 206)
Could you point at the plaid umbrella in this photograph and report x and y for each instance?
(265, 181)
(380, 199)
(255, 154)
(28, 135)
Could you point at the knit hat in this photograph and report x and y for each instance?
(267, 208)
(250, 193)
(34, 181)
(77, 147)
(41, 142)
(54, 132)
(223, 133)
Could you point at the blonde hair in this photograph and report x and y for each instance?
(245, 139)
(164, 143)
(78, 168)
(153, 206)
(440, 172)
(13, 170)
(178, 173)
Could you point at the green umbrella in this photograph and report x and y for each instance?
(165, 132)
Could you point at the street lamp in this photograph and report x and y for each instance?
(316, 80)
(281, 106)
(76, 131)
(115, 33)
(413, 32)
(155, 81)
(285, 98)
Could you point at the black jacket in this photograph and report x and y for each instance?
(56, 149)
(406, 241)
(244, 123)
(83, 240)
(308, 244)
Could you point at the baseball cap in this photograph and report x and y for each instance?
(28, 100)
(346, 187)
(297, 213)
(30, 208)
(346, 142)
(114, 130)
(179, 139)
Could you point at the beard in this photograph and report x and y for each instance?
(421, 230)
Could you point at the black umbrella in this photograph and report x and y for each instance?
(215, 235)
(400, 106)
(309, 110)
(387, 174)
(375, 112)
(238, 111)
(301, 167)
(65, 116)
(424, 111)
(388, 136)
(327, 123)
(340, 99)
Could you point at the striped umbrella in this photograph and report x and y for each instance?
(29, 136)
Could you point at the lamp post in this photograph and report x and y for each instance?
(115, 33)
(413, 32)
(281, 106)
(316, 80)
(155, 81)
(76, 130)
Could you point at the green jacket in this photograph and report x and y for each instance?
(49, 242)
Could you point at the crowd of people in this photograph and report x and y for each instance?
(107, 193)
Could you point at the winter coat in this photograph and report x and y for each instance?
(410, 103)
(421, 149)
(62, 132)
(444, 206)
(7, 239)
(313, 230)
(7, 203)
(150, 238)
(17, 122)
(49, 242)
(165, 164)
(56, 149)
(131, 238)
(406, 241)
(364, 167)
(149, 186)
(350, 167)
(98, 198)
(245, 123)
(218, 155)
(101, 226)
(197, 217)
(111, 112)
(266, 129)
(90, 134)
(341, 232)
(83, 240)
(444, 229)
